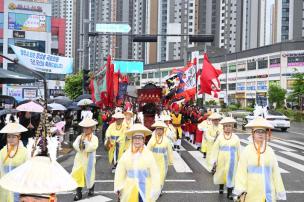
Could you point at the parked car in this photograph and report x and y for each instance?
(277, 119)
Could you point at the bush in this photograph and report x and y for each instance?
(249, 109)
(233, 107)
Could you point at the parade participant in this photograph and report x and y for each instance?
(128, 123)
(160, 145)
(84, 163)
(199, 133)
(177, 122)
(86, 113)
(186, 125)
(258, 176)
(224, 158)
(211, 135)
(192, 123)
(115, 139)
(106, 118)
(137, 177)
(11, 156)
(38, 179)
(207, 123)
(170, 131)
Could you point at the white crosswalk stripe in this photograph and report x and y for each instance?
(297, 156)
(179, 164)
(280, 147)
(289, 144)
(98, 198)
(298, 142)
(199, 157)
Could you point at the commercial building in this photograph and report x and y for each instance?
(29, 25)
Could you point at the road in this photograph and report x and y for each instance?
(188, 180)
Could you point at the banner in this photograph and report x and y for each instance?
(42, 62)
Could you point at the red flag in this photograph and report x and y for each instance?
(209, 77)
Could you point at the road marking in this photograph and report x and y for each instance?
(296, 132)
(171, 180)
(297, 156)
(192, 145)
(298, 142)
(97, 155)
(273, 145)
(290, 163)
(289, 144)
(199, 157)
(281, 169)
(98, 198)
(179, 164)
(182, 148)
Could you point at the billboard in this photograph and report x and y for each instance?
(128, 66)
(28, 22)
(43, 62)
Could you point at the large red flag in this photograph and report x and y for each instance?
(209, 77)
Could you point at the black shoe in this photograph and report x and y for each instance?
(204, 154)
(187, 138)
(221, 189)
(174, 146)
(229, 193)
(198, 148)
(78, 195)
(91, 191)
(178, 147)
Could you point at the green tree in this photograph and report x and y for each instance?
(276, 94)
(73, 85)
(297, 87)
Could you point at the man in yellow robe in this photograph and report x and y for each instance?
(83, 170)
(160, 145)
(203, 126)
(177, 123)
(11, 156)
(115, 139)
(225, 155)
(128, 123)
(212, 134)
(137, 177)
(258, 176)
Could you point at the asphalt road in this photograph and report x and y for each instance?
(188, 180)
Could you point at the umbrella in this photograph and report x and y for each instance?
(84, 102)
(30, 107)
(8, 111)
(56, 107)
(8, 99)
(73, 107)
(84, 96)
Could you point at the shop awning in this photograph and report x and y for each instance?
(10, 77)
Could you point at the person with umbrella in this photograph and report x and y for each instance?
(83, 170)
(11, 156)
(225, 156)
(258, 176)
(115, 139)
(137, 177)
(161, 148)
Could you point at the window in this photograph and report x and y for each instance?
(1, 46)
(223, 86)
(1, 20)
(144, 76)
(251, 65)
(150, 75)
(224, 69)
(232, 68)
(164, 73)
(231, 86)
(157, 74)
(262, 64)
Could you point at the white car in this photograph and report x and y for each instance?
(277, 119)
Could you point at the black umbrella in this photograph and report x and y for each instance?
(73, 107)
(8, 99)
(8, 111)
(7, 77)
(84, 96)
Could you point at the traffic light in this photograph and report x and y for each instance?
(201, 38)
(145, 38)
(86, 79)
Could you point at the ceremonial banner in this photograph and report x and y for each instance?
(43, 62)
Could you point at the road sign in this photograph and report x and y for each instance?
(116, 28)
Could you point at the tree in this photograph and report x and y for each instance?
(297, 87)
(276, 94)
(73, 85)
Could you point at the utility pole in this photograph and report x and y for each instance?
(85, 21)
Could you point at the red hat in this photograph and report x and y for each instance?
(175, 107)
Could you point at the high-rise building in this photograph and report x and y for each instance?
(65, 9)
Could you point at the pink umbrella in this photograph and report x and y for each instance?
(30, 107)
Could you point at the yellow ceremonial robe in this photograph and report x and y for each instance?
(170, 132)
(177, 123)
(83, 170)
(225, 154)
(137, 174)
(8, 165)
(116, 136)
(204, 127)
(262, 183)
(127, 126)
(163, 155)
(211, 134)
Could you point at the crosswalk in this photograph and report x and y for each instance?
(289, 154)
